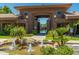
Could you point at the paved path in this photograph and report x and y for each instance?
(3, 53)
(37, 37)
(2, 40)
(73, 41)
(75, 45)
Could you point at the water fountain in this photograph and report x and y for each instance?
(41, 43)
(30, 49)
(13, 45)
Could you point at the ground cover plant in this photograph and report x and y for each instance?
(61, 50)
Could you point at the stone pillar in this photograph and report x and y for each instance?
(53, 22)
(48, 24)
(30, 26)
(0, 26)
(26, 26)
(35, 24)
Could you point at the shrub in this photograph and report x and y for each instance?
(52, 35)
(61, 30)
(64, 50)
(29, 35)
(2, 33)
(49, 34)
(48, 50)
(18, 32)
(7, 28)
(61, 50)
(34, 32)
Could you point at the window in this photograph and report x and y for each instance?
(26, 13)
(59, 13)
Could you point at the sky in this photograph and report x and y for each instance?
(74, 7)
(43, 20)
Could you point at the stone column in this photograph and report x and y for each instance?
(26, 26)
(54, 23)
(0, 26)
(30, 22)
(48, 24)
(51, 22)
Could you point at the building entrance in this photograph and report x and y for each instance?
(41, 24)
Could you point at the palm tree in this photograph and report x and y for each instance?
(56, 39)
(61, 31)
(17, 32)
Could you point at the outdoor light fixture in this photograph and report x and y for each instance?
(54, 16)
(27, 17)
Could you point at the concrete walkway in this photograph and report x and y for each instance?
(1, 42)
(37, 37)
(73, 41)
(3, 53)
(75, 45)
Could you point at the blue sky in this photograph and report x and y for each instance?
(43, 20)
(74, 7)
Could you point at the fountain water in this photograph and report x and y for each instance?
(13, 45)
(30, 49)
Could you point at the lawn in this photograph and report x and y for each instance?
(72, 37)
(68, 37)
(8, 37)
(5, 37)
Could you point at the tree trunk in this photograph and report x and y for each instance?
(58, 43)
(62, 41)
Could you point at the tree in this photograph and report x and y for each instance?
(17, 32)
(5, 10)
(1, 11)
(57, 35)
(61, 31)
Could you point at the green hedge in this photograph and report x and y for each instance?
(34, 32)
(3, 33)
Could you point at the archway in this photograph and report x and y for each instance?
(41, 24)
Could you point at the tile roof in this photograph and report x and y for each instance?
(8, 16)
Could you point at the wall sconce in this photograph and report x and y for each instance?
(54, 16)
(27, 17)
